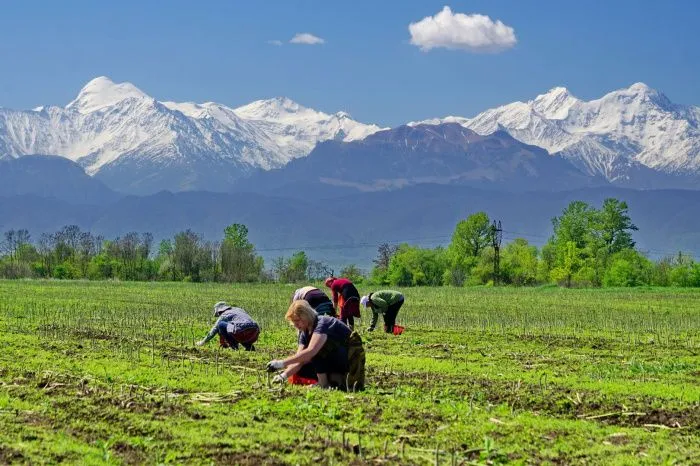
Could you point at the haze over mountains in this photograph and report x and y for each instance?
(302, 178)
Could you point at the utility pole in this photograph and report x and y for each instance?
(496, 237)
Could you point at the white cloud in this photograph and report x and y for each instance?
(306, 38)
(474, 33)
(275, 42)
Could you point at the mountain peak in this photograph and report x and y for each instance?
(102, 92)
(275, 108)
(557, 91)
(286, 102)
(642, 94)
(640, 87)
(635, 90)
(555, 103)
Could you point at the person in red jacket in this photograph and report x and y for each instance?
(346, 298)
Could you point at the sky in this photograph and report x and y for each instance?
(386, 62)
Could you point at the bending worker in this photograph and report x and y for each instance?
(234, 326)
(318, 300)
(346, 297)
(326, 346)
(385, 302)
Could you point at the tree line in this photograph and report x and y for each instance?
(74, 254)
(588, 247)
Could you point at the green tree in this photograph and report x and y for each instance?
(298, 265)
(583, 239)
(413, 266)
(519, 264)
(352, 273)
(471, 235)
(470, 238)
(186, 254)
(570, 262)
(576, 224)
(615, 226)
(165, 248)
(628, 268)
(385, 252)
(682, 271)
(237, 235)
(239, 263)
(291, 270)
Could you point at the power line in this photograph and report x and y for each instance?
(355, 245)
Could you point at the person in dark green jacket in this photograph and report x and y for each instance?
(385, 302)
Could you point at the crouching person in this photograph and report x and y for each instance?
(384, 302)
(346, 297)
(318, 300)
(327, 348)
(234, 326)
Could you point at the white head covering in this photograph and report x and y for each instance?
(364, 300)
(220, 307)
(300, 293)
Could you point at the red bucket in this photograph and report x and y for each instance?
(297, 380)
(398, 330)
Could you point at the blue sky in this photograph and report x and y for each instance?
(367, 66)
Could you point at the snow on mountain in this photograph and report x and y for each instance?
(138, 144)
(624, 130)
(102, 92)
(116, 125)
(297, 129)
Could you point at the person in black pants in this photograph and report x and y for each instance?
(385, 302)
(346, 297)
(317, 299)
(323, 348)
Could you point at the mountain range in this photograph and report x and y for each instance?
(634, 137)
(136, 144)
(628, 136)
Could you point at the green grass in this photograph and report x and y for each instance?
(106, 373)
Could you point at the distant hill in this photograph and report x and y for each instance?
(52, 177)
(447, 154)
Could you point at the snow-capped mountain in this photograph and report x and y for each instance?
(137, 144)
(634, 137)
(297, 129)
(624, 133)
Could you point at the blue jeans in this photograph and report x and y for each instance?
(223, 331)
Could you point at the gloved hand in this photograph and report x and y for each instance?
(280, 378)
(200, 343)
(275, 365)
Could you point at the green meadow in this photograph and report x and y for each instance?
(107, 373)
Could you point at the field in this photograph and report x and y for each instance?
(107, 373)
